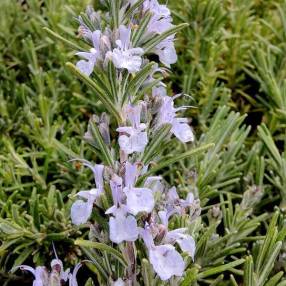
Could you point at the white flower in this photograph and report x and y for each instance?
(185, 241)
(138, 199)
(81, 210)
(166, 261)
(133, 138)
(72, 277)
(122, 227)
(119, 282)
(90, 58)
(57, 266)
(40, 273)
(53, 278)
(167, 115)
(166, 51)
(126, 57)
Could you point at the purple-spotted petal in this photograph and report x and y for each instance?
(122, 228)
(133, 143)
(182, 131)
(80, 212)
(139, 200)
(127, 59)
(166, 261)
(86, 67)
(185, 241)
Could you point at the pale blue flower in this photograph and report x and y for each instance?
(138, 199)
(161, 20)
(166, 261)
(156, 8)
(97, 170)
(90, 58)
(116, 185)
(86, 65)
(122, 227)
(166, 51)
(154, 183)
(81, 210)
(185, 241)
(133, 138)
(55, 277)
(125, 56)
(40, 273)
(118, 282)
(58, 268)
(101, 45)
(72, 276)
(167, 115)
(177, 203)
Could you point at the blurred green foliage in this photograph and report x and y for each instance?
(232, 67)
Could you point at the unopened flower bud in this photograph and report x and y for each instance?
(251, 197)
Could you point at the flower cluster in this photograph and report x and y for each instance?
(142, 205)
(117, 45)
(56, 277)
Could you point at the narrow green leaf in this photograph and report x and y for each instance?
(137, 34)
(101, 79)
(204, 240)
(219, 269)
(275, 279)
(155, 143)
(58, 145)
(100, 94)
(248, 278)
(106, 154)
(112, 80)
(166, 163)
(56, 36)
(147, 47)
(191, 276)
(266, 136)
(97, 265)
(266, 244)
(115, 8)
(269, 264)
(136, 83)
(146, 89)
(103, 247)
(35, 209)
(233, 281)
(147, 272)
(130, 11)
(25, 253)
